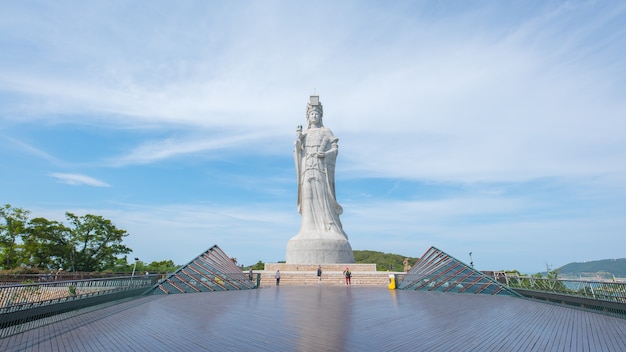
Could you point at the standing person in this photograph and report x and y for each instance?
(58, 274)
(250, 274)
(277, 277)
(348, 275)
(319, 275)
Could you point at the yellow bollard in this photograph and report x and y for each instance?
(392, 282)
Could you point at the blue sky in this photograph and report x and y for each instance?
(490, 127)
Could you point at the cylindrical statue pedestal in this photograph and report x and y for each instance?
(318, 251)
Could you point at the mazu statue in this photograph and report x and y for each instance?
(321, 238)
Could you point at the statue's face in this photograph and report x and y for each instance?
(315, 116)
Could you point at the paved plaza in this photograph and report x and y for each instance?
(327, 318)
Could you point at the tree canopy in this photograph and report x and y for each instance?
(88, 243)
(383, 261)
(11, 230)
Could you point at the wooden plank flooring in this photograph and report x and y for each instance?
(327, 318)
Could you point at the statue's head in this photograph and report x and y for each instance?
(314, 105)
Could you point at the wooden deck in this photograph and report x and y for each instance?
(327, 318)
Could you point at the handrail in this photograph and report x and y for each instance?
(13, 279)
(23, 296)
(609, 290)
(24, 303)
(603, 296)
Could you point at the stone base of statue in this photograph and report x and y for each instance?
(318, 251)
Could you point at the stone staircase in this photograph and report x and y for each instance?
(332, 274)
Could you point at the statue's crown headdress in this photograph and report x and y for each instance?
(314, 103)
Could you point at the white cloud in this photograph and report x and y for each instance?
(154, 151)
(79, 180)
(26, 148)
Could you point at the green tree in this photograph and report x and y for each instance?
(46, 244)
(163, 266)
(12, 228)
(95, 242)
(258, 266)
(122, 265)
(383, 261)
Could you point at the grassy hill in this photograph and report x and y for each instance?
(606, 268)
(383, 261)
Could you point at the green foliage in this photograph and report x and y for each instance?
(12, 227)
(163, 266)
(538, 283)
(258, 266)
(156, 267)
(554, 274)
(121, 266)
(90, 243)
(383, 261)
(47, 244)
(95, 242)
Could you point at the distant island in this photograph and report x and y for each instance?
(602, 269)
(597, 269)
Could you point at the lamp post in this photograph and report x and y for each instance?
(471, 260)
(134, 267)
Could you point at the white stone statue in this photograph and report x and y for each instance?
(321, 238)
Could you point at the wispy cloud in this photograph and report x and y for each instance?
(26, 148)
(78, 180)
(153, 151)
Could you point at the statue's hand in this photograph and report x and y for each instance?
(321, 155)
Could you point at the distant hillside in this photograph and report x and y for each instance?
(606, 268)
(383, 261)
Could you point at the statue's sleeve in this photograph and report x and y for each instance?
(331, 158)
(297, 157)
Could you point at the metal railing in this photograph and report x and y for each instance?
(22, 303)
(606, 296)
(22, 278)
